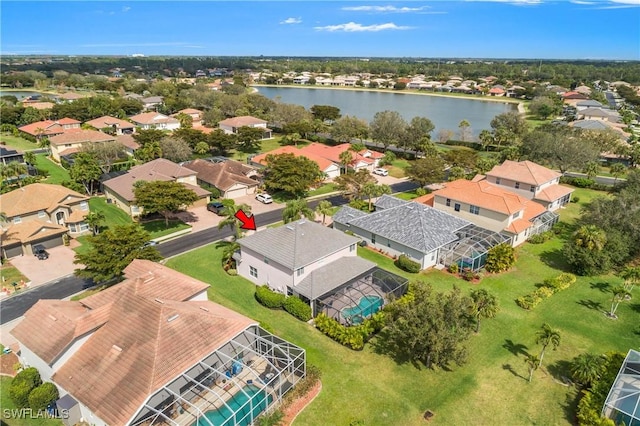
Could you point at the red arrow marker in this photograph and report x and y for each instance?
(248, 222)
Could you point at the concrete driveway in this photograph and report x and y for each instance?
(58, 265)
(257, 206)
(388, 180)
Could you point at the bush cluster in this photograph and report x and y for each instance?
(549, 287)
(542, 237)
(403, 262)
(353, 337)
(269, 298)
(500, 258)
(296, 307)
(27, 390)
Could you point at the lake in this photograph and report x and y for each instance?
(20, 94)
(444, 112)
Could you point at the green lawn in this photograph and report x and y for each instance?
(57, 173)
(491, 388)
(397, 168)
(265, 146)
(324, 189)
(17, 142)
(112, 213)
(407, 195)
(7, 404)
(157, 228)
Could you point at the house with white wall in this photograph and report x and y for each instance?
(155, 120)
(231, 125)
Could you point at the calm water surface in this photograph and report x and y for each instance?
(446, 113)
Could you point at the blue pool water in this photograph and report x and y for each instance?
(367, 306)
(237, 410)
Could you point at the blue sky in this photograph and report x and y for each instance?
(568, 29)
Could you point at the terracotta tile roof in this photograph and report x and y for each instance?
(46, 127)
(484, 195)
(70, 96)
(574, 95)
(531, 211)
(158, 169)
(518, 225)
(189, 111)
(152, 118)
(496, 90)
(69, 151)
(553, 193)
(322, 162)
(108, 121)
(38, 105)
(38, 196)
(67, 120)
(222, 175)
(128, 141)
(245, 120)
(524, 171)
(30, 231)
(80, 136)
(77, 216)
(427, 199)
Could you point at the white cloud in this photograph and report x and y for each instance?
(291, 21)
(582, 2)
(125, 9)
(352, 27)
(385, 9)
(158, 44)
(629, 2)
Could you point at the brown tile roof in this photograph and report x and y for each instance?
(38, 196)
(553, 192)
(222, 175)
(245, 120)
(158, 169)
(46, 127)
(524, 171)
(32, 230)
(77, 216)
(147, 335)
(425, 199)
(484, 195)
(80, 136)
(518, 225)
(70, 96)
(322, 162)
(67, 120)
(108, 121)
(152, 118)
(128, 141)
(39, 105)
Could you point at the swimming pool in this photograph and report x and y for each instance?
(367, 306)
(237, 410)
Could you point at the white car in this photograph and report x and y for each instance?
(264, 198)
(381, 172)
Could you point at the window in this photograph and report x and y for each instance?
(448, 202)
(373, 238)
(474, 209)
(72, 227)
(41, 213)
(352, 247)
(533, 188)
(84, 205)
(84, 227)
(497, 181)
(266, 260)
(17, 219)
(300, 271)
(253, 272)
(517, 185)
(456, 207)
(135, 209)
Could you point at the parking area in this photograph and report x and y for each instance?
(257, 206)
(58, 265)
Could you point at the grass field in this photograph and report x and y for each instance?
(113, 215)
(492, 387)
(57, 173)
(157, 228)
(17, 142)
(397, 168)
(265, 146)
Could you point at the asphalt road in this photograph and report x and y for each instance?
(604, 180)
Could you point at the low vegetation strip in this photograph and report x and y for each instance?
(547, 289)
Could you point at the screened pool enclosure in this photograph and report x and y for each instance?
(360, 298)
(623, 402)
(469, 251)
(232, 386)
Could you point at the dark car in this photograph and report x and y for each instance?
(216, 207)
(40, 252)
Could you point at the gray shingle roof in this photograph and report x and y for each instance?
(589, 103)
(298, 243)
(346, 213)
(388, 201)
(414, 225)
(590, 124)
(333, 275)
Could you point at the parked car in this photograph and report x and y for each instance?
(216, 207)
(264, 198)
(381, 172)
(40, 252)
(150, 243)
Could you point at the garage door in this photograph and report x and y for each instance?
(13, 251)
(200, 203)
(236, 193)
(49, 242)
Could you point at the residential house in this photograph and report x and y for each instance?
(497, 91)
(10, 156)
(330, 169)
(572, 98)
(117, 126)
(41, 214)
(37, 104)
(318, 264)
(74, 140)
(155, 120)
(69, 97)
(492, 207)
(622, 405)
(119, 190)
(195, 114)
(532, 181)
(153, 350)
(231, 125)
(232, 178)
(599, 114)
(589, 103)
(151, 102)
(48, 128)
(128, 142)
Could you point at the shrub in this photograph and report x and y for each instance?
(421, 191)
(583, 182)
(42, 396)
(349, 232)
(528, 301)
(561, 282)
(22, 385)
(500, 258)
(454, 268)
(352, 337)
(541, 237)
(232, 272)
(575, 199)
(296, 307)
(274, 418)
(269, 298)
(543, 292)
(469, 275)
(403, 262)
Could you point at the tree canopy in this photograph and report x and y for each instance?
(426, 170)
(290, 174)
(164, 197)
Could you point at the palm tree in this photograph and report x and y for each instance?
(533, 362)
(547, 336)
(228, 249)
(619, 294)
(617, 170)
(94, 219)
(372, 190)
(486, 138)
(295, 210)
(30, 158)
(230, 209)
(3, 217)
(485, 305)
(590, 237)
(586, 368)
(346, 158)
(631, 277)
(325, 208)
(15, 169)
(591, 169)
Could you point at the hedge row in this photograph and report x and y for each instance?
(292, 304)
(549, 287)
(542, 237)
(353, 337)
(581, 182)
(403, 262)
